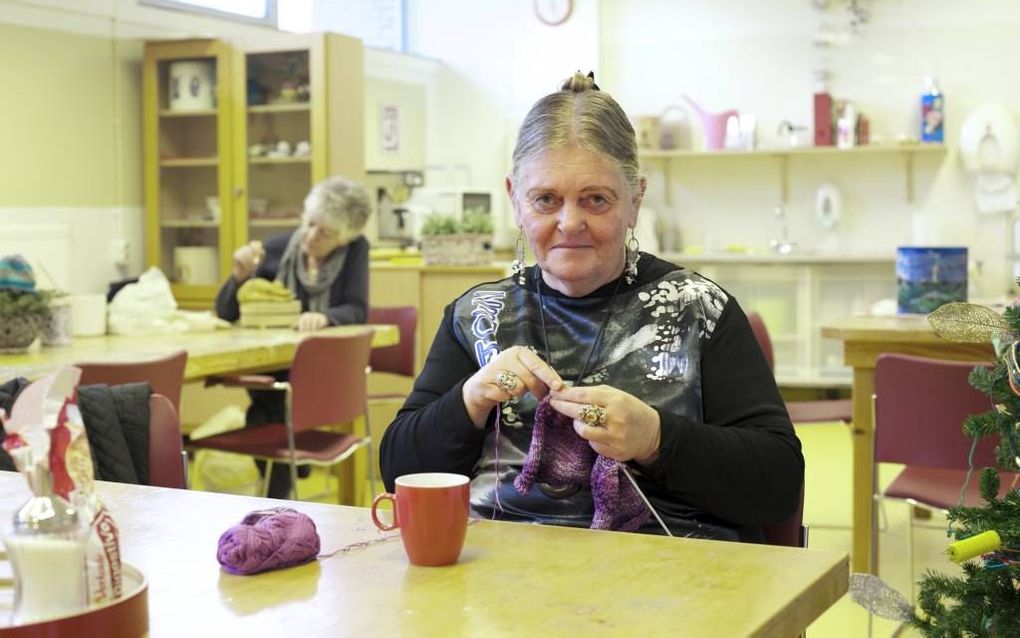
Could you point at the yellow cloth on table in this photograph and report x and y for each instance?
(267, 304)
(258, 289)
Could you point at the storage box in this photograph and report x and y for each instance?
(929, 276)
(457, 250)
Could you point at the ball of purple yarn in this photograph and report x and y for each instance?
(268, 539)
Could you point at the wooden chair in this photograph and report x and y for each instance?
(919, 408)
(168, 461)
(327, 387)
(801, 411)
(165, 375)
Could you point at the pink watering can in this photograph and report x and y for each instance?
(714, 125)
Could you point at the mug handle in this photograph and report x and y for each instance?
(392, 498)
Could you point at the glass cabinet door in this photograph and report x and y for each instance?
(187, 168)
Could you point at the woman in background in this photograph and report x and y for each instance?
(325, 264)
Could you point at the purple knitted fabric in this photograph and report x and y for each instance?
(558, 456)
(268, 539)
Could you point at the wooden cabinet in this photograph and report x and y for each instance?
(287, 112)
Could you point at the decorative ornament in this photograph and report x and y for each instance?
(967, 323)
(517, 266)
(633, 253)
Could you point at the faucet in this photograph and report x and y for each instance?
(783, 245)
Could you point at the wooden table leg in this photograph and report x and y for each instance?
(863, 472)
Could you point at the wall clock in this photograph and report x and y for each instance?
(553, 12)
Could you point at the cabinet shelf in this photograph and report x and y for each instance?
(200, 113)
(783, 155)
(280, 160)
(275, 223)
(189, 223)
(287, 107)
(189, 162)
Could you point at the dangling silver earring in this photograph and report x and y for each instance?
(517, 266)
(632, 252)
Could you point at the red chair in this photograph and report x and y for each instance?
(165, 375)
(167, 460)
(801, 411)
(326, 387)
(398, 359)
(919, 408)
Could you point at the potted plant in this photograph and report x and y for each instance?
(448, 241)
(23, 309)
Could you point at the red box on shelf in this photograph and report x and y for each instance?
(823, 120)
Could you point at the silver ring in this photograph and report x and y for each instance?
(593, 415)
(507, 380)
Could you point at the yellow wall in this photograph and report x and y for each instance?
(69, 119)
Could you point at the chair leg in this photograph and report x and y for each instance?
(910, 549)
(184, 464)
(265, 479)
(291, 445)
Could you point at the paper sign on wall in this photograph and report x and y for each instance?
(389, 128)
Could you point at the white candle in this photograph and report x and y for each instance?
(49, 576)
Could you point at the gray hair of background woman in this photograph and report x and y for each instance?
(343, 204)
(579, 114)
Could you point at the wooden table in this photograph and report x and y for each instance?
(230, 351)
(864, 338)
(512, 578)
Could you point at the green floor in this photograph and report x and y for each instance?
(827, 507)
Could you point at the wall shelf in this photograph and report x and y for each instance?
(280, 160)
(274, 223)
(189, 162)
(189, 223)
(287, 107)
(783, 155)
(199, 113)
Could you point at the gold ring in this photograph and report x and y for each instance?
(593, 415)
(507, 380)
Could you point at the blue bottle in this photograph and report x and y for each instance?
(932, 112)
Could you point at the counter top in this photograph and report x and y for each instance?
(802, 257)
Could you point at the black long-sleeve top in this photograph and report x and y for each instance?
(348, 294)
(729, 457)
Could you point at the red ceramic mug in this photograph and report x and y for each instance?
(431, 510)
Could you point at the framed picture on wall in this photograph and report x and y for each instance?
(389, 128)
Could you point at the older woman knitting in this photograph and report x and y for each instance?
(600, 364)
(325, 264)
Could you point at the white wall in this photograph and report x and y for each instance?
(758, 58)
(498, 60)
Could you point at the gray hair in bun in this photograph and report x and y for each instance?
(343, 204)
(579, 113)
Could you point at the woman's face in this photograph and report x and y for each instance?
(575, 208)
(320, 239)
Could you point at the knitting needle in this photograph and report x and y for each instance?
(651, 509)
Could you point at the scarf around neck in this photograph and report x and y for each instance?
(294, 271)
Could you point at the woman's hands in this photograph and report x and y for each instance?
(630, 428)
(311, 321)
(511, 373)
(247, 259)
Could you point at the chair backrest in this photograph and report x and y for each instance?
(788, 533)
(920, 406)
(761, 333)
(329, 380)
(165, 375)
(166, 461)
(398, 359)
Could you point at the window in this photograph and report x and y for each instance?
(256, 11)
